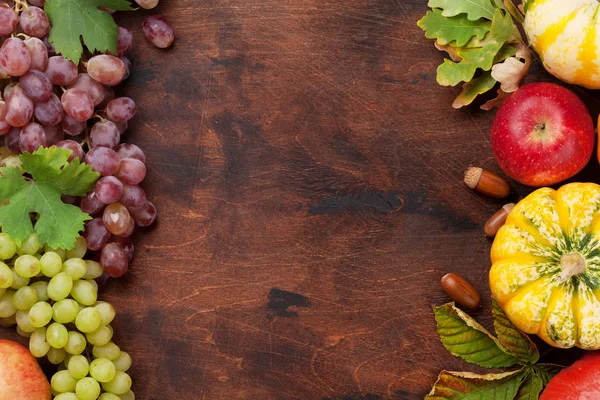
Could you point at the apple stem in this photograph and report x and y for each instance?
(540, 127)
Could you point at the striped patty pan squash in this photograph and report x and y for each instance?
(546, 265)
(566, 36)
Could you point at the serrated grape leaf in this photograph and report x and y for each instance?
(75, 19)
(514, 341)
(451, 73)
(474, 9)
(531, 387)
(462, 336)
(474, 88)
(458, 30)
(469, 386)
(51, 176)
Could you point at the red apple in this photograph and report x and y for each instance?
(21, 377)
(542, 135)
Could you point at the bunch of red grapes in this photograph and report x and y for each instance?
(48, 100)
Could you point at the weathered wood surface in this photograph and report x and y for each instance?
(308, 172)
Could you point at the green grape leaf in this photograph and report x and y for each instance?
(451, 73)
(514, 341)
(73, 19)
(469, 386)
(474, 9)
(474, 88)
(459, 29)
(531, 387)
(462, 336)
(58, 224)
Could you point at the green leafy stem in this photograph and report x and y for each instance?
(462, 336)
(483, 43)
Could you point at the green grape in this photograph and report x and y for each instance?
(27, 266)
(7, 309)
(100, 336)
(61, 252)
(93, 283)
(102, 370)
(6, 276)
(107, 311)
(127, 396)
(30, 246)
(65, 311)
(57, 335)
(84, 292)
(56, 356)
(121, 384)
(60, 286)
(94, 270)
(109, 350)
(107, 396)
(40, 314)
(51, 264)
(75, 267)
(79, 250)
(8, 248)
(22, 318)
(68, 396)
(76, 343)
(123, 363)
(87, 389)
(23, 333)
(37, 343)
(88, 320)
(62, 381)
(78, 366)
(25, 298)
(18, 280)
(41, 287)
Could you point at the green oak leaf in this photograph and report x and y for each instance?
(474, 9)
(469, 386)
(58, 224)
(451, 73)
(75, 19)
(462, 336)
(507, 51)
(514, 341)
(474, 88)
(458, 29)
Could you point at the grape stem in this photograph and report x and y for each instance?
(21, 5)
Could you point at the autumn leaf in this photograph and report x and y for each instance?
(474, 88)
(458, 30)
(462, 336)
(474, 9)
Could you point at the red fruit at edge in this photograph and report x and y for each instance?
(542, 135)
(579, 381)
(20, 374)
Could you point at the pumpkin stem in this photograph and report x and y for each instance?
(571, 264)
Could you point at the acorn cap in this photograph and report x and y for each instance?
(472, 176)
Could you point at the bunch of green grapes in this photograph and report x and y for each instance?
(52, 297)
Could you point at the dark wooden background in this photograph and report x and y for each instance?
(308, 172)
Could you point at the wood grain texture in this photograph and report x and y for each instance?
(308, 173)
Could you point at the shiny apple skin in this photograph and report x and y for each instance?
(562, 147)
(21, 377)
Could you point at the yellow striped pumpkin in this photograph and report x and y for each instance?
(546, 265)
(566, 36)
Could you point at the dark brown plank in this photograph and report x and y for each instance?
(308, 172)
